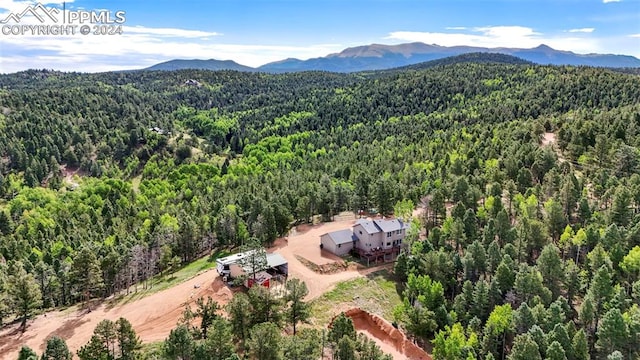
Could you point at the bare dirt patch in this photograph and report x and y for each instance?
(391, 340)
(152, 317)
(548, 138)
(304, 241)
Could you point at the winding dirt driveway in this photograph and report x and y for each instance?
(154, 316)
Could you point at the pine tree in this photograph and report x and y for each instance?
(56, 350)
(539, 338)
(600, 291)
(24, 293)
(219, 342)
(523, 319)
(26, 353)
(298, 310)
(86, 274)
(346, 349)
(264, 341)
(524, 348)
(612, 333)
(340, 327)
(128, 341)
(305, 345)
(207, 312)
(580, 346)
(559, 335)
(620, 212)
(179, 345)
(555, 352)
(550, 266)
(239, 310)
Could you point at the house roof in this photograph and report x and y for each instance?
(342, 236)
(376, 226)
(389, 225)
(232, 259)
(275, 260)
(368, 226)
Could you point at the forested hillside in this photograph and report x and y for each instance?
(532, 247)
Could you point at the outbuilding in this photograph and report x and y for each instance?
(338, 242)
(230, 267)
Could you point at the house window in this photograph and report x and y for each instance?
(339, 245)
(388, 244)
(388, 234)
(398, 232)
(360, 232)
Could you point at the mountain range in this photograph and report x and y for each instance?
(380, 57)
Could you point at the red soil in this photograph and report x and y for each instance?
(391, 340)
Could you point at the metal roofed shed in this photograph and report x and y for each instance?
(278, 262)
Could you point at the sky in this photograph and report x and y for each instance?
(255, 32)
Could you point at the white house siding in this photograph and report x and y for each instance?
(339, 249)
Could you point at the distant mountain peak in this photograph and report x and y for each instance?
(543, 47)
(210, 64)
(381, 56)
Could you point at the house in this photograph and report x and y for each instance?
(368, 237)
(338, 242)
(192, 82)
(374, 234)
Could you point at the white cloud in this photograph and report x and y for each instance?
(169, 32)
(136, 47)
(610, 1)
(500, 36)
(139, 47)
(635, 35)
(456, 28)
(13, 5)
(582, 30)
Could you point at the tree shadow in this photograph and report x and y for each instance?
(14, 338)
(69, 327)
(389, 276)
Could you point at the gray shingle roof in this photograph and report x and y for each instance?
(389, 225)
(368, 226)
(342, 236)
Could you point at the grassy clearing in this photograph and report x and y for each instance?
(159, 283)
(151, 351)
(377, 293)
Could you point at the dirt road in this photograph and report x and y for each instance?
(155, 315)
(152, 317)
